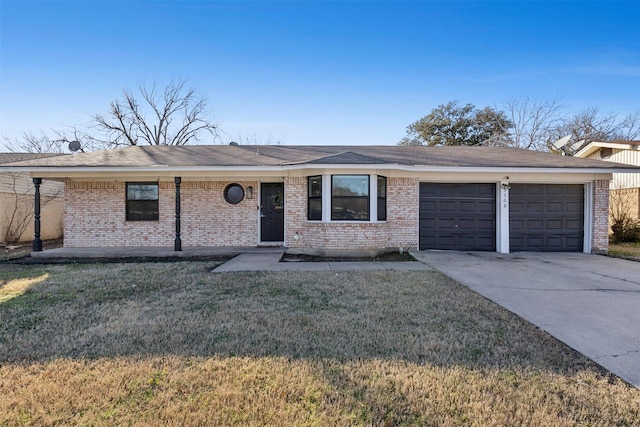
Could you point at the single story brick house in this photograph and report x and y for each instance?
(332, 199)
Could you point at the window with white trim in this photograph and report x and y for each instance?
(357, 197)
(350, 197)
(314, 204)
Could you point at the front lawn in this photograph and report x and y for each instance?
(173, 344)
(630, 251)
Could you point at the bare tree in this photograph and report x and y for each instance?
(253, 139)
(19, 214)
(173, 116)
(534, 120)
(630, 127)
(32, 143)
(29, 142)
(623, 215)
(591, 125)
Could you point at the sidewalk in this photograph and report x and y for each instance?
(271, 262)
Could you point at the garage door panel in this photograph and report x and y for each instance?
(488, 207)
(555, 225)
(428, 206)
(446, 206)
(574, 207)
(469, 207)
(458, 217)
(574, 225)
(575, 242)
(467, 224)
(446, 242)
(546, 217)
(534, 207)
(533, 225)
(487, 225)
(554, 206)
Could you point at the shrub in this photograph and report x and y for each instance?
(626, 230)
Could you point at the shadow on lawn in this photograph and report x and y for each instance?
(148, 310)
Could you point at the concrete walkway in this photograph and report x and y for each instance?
(271, 262)
(263, 258)
(589, 302)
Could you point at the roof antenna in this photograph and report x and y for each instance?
(560, 145)
(75, 146)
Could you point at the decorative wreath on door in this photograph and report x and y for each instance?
(277, 200)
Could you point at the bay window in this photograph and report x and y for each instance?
(358, 197)
(350, 197)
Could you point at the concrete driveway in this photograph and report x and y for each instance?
(590, 302)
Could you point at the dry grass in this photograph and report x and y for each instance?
(630, 251)
(172, 344)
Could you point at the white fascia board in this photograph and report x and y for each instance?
(592, 147)
(507, 170)
(92, 171)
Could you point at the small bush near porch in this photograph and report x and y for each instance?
(173, 344)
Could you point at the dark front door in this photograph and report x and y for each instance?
(458, 216)
(272, 212)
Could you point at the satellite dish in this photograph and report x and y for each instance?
(561, 142)
(74, 146)
(575, 146)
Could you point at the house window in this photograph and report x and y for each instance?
(350, 197)
(314, 206)
(233, 194)
(142, 201)
(382, 198)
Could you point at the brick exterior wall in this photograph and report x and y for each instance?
(399, 230)
(95, 216)
(600, 215)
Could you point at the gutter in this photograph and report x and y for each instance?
(176, 170)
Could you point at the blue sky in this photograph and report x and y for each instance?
(314, 72)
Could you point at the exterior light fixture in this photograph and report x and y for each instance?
(250, 192)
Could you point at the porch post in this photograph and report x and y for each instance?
(37, 243)
(177, 243)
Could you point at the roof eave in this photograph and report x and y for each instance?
(592, 147)
(176, 170)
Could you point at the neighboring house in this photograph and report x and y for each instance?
(333, 199)
(16, 202)
(625, 187)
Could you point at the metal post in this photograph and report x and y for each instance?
(177, 244)
(37, 243)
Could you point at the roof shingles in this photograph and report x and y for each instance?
(281, 155)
